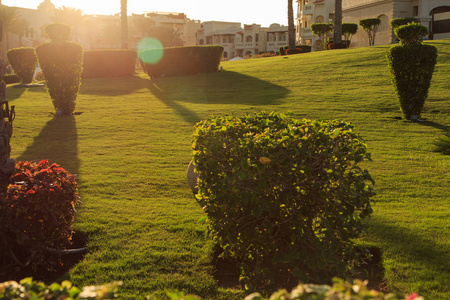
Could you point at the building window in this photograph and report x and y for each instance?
(415, 11)
(248, 39)
(256, 37)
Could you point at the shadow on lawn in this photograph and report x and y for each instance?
(212, 88)
(413, 247)
(57, 142)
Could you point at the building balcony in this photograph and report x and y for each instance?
(306, 32)
(307, 9)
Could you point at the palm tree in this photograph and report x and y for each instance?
(124, 23)
(7, 15)
(291, 28)
(19, 27)
(337, 36)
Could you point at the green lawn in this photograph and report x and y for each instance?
(130, 146)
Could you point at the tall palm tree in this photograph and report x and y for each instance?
(337, 36)
(7, 15)
(124, 23)
(291, 28)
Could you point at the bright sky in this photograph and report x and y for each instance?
(264, 12)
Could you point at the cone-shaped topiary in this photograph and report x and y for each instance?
(411, 65)
(61, 62)
(23, 61)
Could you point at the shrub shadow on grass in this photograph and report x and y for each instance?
(57, 142)
(413, 247)
(221, 88)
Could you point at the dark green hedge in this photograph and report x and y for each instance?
(300, 48)
(61, 63)
(109, 63)
(411, 67)
(23, 61)
(183, 61)
(11, 78)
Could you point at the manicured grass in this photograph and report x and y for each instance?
(130, 146)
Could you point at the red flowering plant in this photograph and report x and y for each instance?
(37, 212)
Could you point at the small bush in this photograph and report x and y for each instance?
(299, 48)
(411, 65)
(411, 34)
(348, 30)
(58, 32)
(370, 25)
(29, 289)
(397, 22)
(443, 144)
(183, 61)
(23, 61)
(37, 213)
(61, 64)
(342, 45)
(109, 63)
(11, 78)
(283, 197)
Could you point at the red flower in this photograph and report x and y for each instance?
(412, 296)
(30, 192)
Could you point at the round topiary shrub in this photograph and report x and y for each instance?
(411, 65)
(37, 213)
(61, 62)
(23, 61)
(284, 197)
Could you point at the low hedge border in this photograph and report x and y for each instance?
(109, 63)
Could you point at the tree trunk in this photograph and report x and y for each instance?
(337, 36)
(291, 28)
(124, 23)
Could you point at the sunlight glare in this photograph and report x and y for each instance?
(150, 50)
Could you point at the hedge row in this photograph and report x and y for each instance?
(182, 61)
(23, 61)
(109, 63)
(299, 48)
(11, 78)
(355, 290)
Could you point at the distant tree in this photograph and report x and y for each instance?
(142, 25)
(370, 25)
(348, 30)
(7, 15)
(291, 28)
(169, 37)
(70, 16)
(337, 36)
(321, 30)
(47, 6)
(124, 24)
(110, 34)
(19, 27)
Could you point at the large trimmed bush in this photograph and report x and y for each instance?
(36, 214)
(284, 197)
(23, 61)
(183, 61)
(61, 62)
(397, 22)
(109, 63)
(411, 65)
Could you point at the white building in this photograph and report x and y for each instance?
(434, 14)
(179, 22)
(309, 12)
(247, 41)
